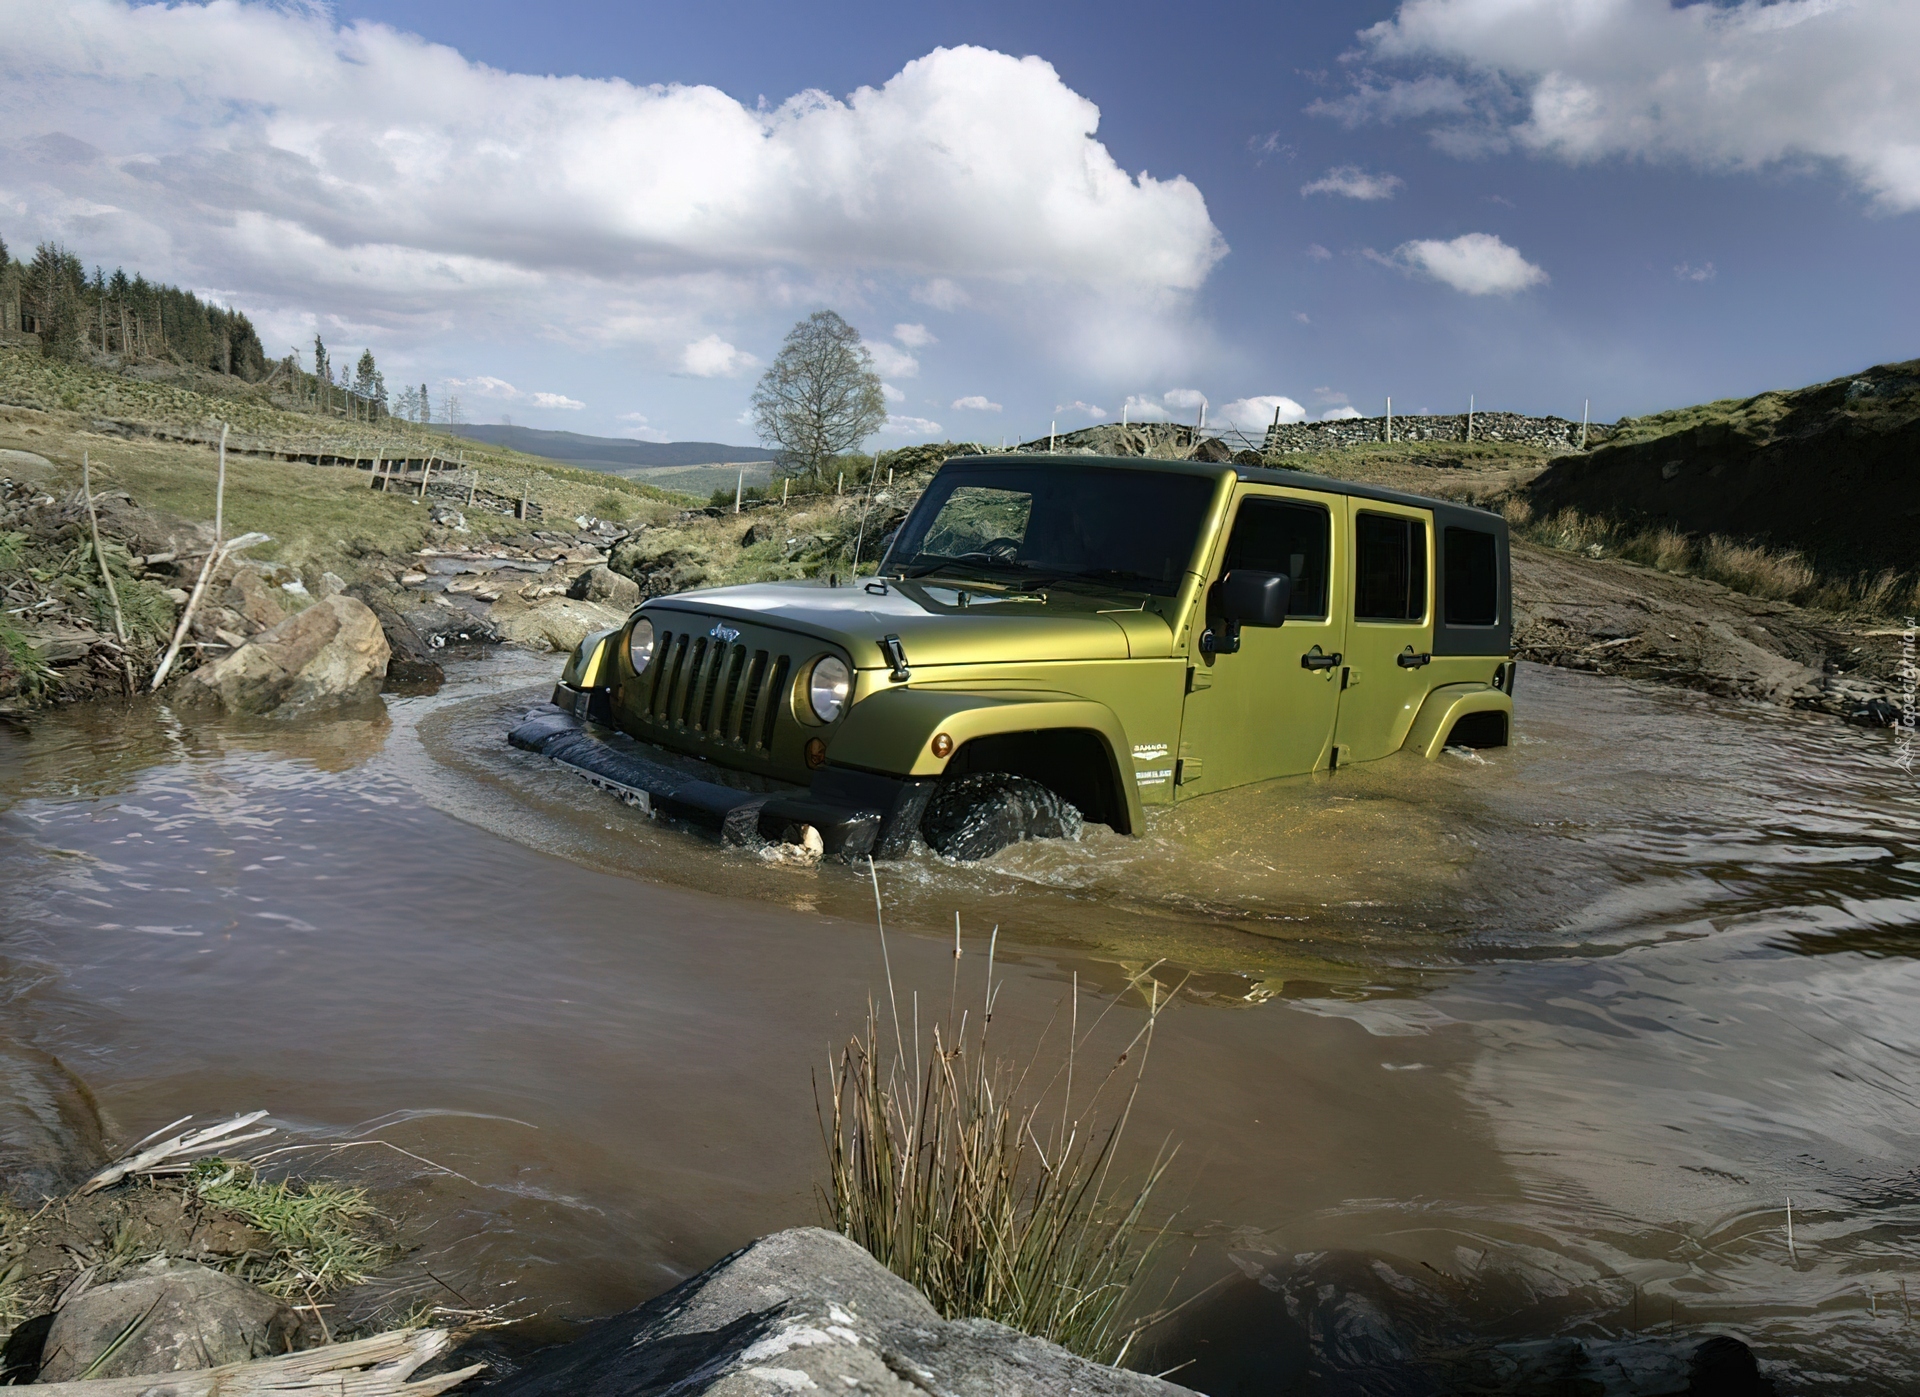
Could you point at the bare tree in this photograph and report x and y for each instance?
(820, 396)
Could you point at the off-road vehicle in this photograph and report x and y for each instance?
(1052, 639)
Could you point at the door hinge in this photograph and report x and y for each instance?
(1186, 771)
(1198, 679)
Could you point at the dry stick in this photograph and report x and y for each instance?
(1790, 1251)
(106, 575)
(886, 962)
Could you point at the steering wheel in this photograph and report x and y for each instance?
(997, 550)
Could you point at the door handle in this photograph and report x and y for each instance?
(1313, 659)
(1406, 659)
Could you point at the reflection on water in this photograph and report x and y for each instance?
(1525, 1045)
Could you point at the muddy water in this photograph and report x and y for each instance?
(1494, 1050)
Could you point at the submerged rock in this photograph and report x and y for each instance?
(49, 1126)
(182, 1316)
(808, 1310)
(331, 654)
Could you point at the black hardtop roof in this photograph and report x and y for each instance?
(1263, 475)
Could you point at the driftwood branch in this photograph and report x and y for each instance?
(376, 1367)
(175, 1154)
(215, 561)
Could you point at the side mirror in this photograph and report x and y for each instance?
(1245, 598)
(1255, 598)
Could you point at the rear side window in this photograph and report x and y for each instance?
(1390, 568)
(1281, 536)
(1472, 595)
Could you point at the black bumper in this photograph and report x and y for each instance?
(857, 812)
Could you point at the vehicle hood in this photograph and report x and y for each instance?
(934, 628)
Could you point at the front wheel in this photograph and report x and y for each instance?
(975, 817)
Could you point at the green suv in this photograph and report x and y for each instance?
(1050, 640)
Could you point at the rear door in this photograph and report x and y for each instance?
(1389, 642)
(1261, 712)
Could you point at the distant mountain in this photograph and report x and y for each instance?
(610, 453)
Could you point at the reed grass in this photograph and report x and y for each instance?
(1742, 566)
(986, 1181)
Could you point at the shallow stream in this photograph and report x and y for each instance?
(1498, 1049)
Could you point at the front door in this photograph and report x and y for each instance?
(1384, 676)
(1262, 712)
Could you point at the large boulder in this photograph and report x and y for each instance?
(602, 584)
(180, 1316)
(808, 1310)
(255, 598)
(553, 623)
(331, 654)
(663, 563)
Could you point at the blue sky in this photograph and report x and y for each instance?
(1617, 200)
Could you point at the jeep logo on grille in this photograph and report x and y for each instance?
(724, 633)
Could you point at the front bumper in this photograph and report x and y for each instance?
(857, 813)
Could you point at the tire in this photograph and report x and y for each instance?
(975, 817)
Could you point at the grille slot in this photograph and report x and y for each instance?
(769, 707)
(704, 694)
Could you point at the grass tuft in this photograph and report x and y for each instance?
(1741, 566)
(994, 1195)
(319, 1230)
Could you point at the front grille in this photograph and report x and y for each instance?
(702, 691)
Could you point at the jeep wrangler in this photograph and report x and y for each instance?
(1050, 640)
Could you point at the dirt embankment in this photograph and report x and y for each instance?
(1827, 471)
(1615, 617)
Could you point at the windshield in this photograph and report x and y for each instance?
(1029, 523)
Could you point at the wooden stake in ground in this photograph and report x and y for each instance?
(106, 574)
(473, 480)
(220, 491)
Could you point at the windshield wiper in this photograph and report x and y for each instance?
(1120, 577)
(907, 574)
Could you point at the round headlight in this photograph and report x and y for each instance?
(827, 689)
(640, 644)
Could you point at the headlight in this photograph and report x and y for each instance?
(640, 644)
(827, 689)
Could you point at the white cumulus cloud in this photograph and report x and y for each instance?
(892, 394)
(1089, 409)
(1352, 182)
(910, 427)
(914, 336)
(358, 172)
(1142, 409)
(975, 402)
(894, 363)
(640, 429)
(1252, 414)
(1183, 397)
(498, 389)
(712, 357)
(1339, 414)
(1479, 264)
(1743, 85)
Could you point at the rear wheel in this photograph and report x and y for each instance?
(975, 817)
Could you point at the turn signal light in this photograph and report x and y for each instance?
(942, 745)
(816, 753)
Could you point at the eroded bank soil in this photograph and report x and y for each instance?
(1614, 617)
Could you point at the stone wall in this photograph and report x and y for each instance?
(1554, 432)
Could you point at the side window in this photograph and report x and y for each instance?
(1390, 568)
(1282, 536)
(1471, 596)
